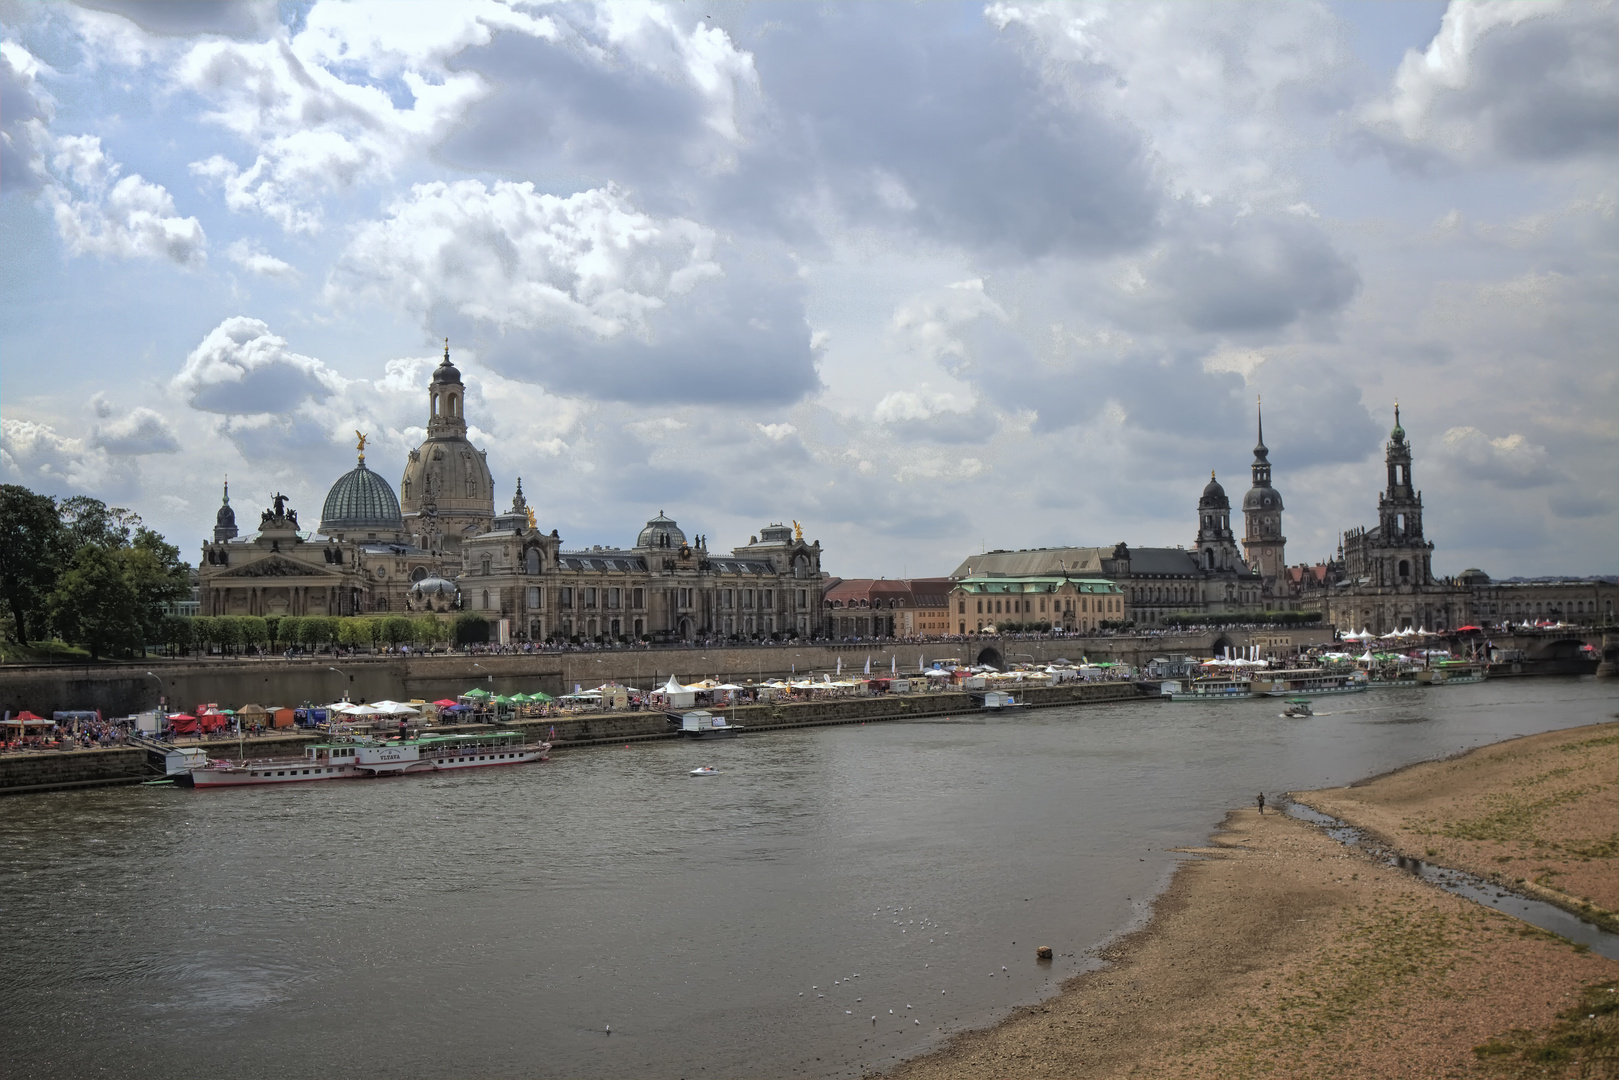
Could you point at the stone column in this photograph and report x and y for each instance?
(1609, 667)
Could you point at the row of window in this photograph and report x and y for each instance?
(1058, 605)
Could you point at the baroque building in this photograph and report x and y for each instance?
(446, 494)
(441, 547)
(1210, 578)
(1383, 578)
(1263, 542)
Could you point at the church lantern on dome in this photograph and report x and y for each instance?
(447, 492)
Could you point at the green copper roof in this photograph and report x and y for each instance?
(361, 501)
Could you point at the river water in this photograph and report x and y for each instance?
(747, 924)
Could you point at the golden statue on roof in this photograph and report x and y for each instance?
(360, 446)
(798, 530)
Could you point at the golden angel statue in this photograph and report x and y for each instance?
(360, 435)
(798, 530)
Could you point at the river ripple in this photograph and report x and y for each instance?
(493, 924)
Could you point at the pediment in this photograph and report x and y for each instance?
(275, 566)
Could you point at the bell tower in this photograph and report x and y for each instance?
(1262, 541)
(1405, 556)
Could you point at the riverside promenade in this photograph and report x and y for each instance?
(52, 771)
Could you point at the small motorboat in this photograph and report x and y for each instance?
(705, 770)
(1297, 708)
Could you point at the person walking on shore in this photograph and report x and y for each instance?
(1261, 802)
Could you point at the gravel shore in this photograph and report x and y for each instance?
(1278, 952)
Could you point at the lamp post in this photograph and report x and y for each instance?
(346, 675)
(161, 703)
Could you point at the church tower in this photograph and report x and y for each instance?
(225, 519)
(1405, 554)
(1262, 541)
(447, 493)
(1216, 545)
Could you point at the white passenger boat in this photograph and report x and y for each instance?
(363, 757)
(1311, 681)
(1225, 688)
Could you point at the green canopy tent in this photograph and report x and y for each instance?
(477, 692)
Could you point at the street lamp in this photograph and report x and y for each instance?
(345, 675)
(160, 693)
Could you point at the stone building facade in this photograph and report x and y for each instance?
(665, 588)
(1076, 605)
(442, 548)
(1210, 578)
(883, 607)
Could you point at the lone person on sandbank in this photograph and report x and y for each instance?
(1261, 802)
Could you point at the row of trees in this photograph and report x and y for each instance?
(85, 572)
(239, 633)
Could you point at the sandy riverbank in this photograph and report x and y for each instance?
(1281, 953)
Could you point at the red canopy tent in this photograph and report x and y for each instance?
(213, 721)
(445, 703)
(1469, 630)
(183, 723)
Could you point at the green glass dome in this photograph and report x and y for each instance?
(361, 501)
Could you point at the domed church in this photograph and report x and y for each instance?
(439, 546)
(446, 494)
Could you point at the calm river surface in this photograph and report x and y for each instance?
(493, 925)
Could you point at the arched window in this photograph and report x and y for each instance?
(531, 561)
(486, 599)
(1208, 558)
(486, 564)
(451, 406)
(1405, 569)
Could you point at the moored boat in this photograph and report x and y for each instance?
(364, 757)
(1312, 681)
(1224, 688)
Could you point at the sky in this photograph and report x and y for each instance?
(926, 278)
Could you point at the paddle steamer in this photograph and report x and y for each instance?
(363, 757)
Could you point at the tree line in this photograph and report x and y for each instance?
(234, 634)
(85, 572)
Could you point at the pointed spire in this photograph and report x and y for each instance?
(446, 350)
(227, 490)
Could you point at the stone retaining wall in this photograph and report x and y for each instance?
(50, 771)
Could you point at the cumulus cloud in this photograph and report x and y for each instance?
(139, 432)
(251, 256)
(345, 100)
(36, 455)
(1510, 461)
(586, 293)
(1222, 95)
(231, 18)
(26, 110)
(97, 213)
(242, 368)
(514, 257)
(1504, 82)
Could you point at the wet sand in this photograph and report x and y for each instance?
(1539, 815)
(1281, 953)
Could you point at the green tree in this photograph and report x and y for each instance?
(255, 631)
(318, 630)
(93, 604)
(157, 575)
(30, 556)
(228, 632)
(91, 521)
(286, 630)
(176, 632)
(356, 631)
